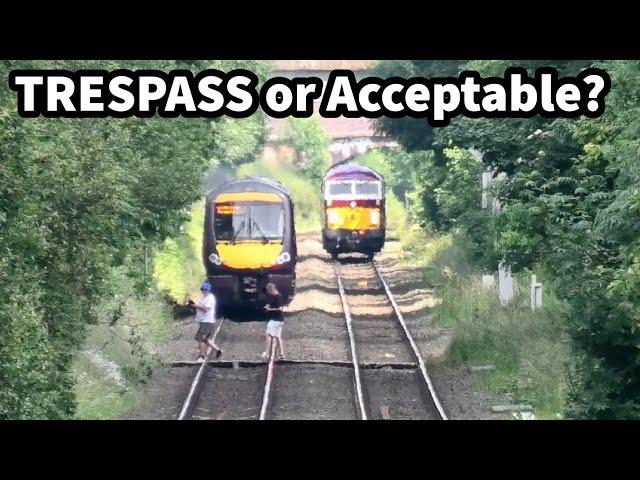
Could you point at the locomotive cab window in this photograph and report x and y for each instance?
(368, 188)
(340, 188)
(248, 221)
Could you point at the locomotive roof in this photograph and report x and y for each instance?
(351, 171)
(251, 184)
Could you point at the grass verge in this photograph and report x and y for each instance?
(119, 353)
(529, 350)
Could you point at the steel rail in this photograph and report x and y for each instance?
(354, 354)
(269, 380)
(414, 347)
(196, 384)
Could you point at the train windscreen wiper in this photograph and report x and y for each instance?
(237, 232)
(264, 237)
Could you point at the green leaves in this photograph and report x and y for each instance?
(79, 197)
(571, 206)
(311, 146)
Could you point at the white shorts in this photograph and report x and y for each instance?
(274, 328)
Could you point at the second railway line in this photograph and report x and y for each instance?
(390, 377)
(385, 378)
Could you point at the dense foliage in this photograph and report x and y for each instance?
(310, 144)
(77, 198)
(570, 206)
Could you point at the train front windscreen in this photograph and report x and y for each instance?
(249, 222)
(356, 189)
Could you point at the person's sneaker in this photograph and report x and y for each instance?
(218, 353)
(200, 358)
(264, 355)
(281, 357)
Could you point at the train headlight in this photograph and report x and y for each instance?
(375, 217)
(284, 257)
(333, 217)
(215, 259)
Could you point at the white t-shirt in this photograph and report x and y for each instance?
(208, 300)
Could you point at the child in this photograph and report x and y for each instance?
(276, 320)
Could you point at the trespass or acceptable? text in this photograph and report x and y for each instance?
(213, 93)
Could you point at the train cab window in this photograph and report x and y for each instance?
(368, 188)
(267, 222)
(340, 188)
(243, 221)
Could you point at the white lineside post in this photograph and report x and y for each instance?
(488, 281)
(536, 293)
(146, 262)
(487, 177)
(506, 282)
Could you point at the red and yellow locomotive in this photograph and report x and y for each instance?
(354, 210)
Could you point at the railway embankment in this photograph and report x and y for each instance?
(493, 355)
(121, 351)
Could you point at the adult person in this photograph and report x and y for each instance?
(206, 317)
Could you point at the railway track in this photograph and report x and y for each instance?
(186, 413)
(194, 399)
(389, 376)
(401, 390)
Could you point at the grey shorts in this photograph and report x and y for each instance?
(274, 328)
(204, 331)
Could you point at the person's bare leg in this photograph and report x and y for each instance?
(202, 349)
(281, 346)
(267, 344)
(213, 345)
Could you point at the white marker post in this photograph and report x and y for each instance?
(506, 284)
(488, 281)
(536, 293)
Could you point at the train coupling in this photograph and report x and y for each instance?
(250, 285)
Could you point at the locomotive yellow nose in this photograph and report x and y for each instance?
(249, 255)
(358, 218)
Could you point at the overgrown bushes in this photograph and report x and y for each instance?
(305, 192)
(78, 198)
(570, 210)
(119, 352)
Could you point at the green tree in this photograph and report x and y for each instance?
(77, 198)
(570, 207)
(310, 144)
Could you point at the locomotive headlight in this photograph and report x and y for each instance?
(333, 217)
(284, 257)
(215, 259)
(375, 217)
